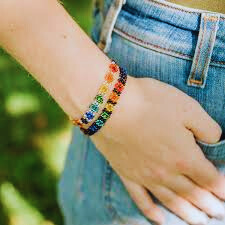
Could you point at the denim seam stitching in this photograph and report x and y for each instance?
(107, 181)
(206, 19)
(119, 31)
(150, 44)
(107, 197)
(208, 49)
(198, 56)
(192, 78)
(173, 7)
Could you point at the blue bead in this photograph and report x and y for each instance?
(123, 72)
(89, 115)
(93, 128)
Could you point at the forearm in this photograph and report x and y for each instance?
(51, 46)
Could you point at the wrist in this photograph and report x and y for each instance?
(83, 89)
(124, 113)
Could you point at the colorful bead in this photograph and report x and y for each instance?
(94, 107)
(113, 67)
(114, 97)
(77, 122)
(105, 115)
(123, 80)
(99, 123)
(89, 115)
(103, 89)
(109, 77)
(109, 107)
(99, 99)
(119, 86)
(93, 128)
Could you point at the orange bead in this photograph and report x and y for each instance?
(77, 122)
(114, 97)
(109, 77)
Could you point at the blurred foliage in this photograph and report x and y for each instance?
(34, 135)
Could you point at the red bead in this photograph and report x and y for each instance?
(114, 68)
(119, 86)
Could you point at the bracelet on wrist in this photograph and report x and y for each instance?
(95, 106)
(111, 102)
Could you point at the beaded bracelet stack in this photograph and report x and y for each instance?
(112, 100)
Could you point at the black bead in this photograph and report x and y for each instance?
(116, 91)
(123, 72)
(111, 102)
(84, 120)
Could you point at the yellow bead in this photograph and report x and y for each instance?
(109, 107)
(103, 89)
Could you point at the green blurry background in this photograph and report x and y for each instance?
(34, 135)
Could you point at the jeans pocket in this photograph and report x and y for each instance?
(215, 153)
(119, 202)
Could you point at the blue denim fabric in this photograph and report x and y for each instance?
(172, 44)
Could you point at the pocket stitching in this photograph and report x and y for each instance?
(151, 46)
(107, 184)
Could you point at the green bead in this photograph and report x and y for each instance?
(99, 99)
(105, 115)
(94, 107)
(100, 123)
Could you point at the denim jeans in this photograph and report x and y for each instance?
(151, 38)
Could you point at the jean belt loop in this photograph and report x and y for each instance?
(108, 25)
(204, 48)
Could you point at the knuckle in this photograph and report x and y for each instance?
(168, 200)
(159, 174)
(183, 165)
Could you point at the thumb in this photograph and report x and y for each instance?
(143, 201)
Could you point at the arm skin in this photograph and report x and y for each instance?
(51, 46)
(47, 42)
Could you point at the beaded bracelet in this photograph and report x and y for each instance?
(110, 104)
(93, 108)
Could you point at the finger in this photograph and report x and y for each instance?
(143, 200)
(202, 125)
(201, 198)
(180, 206)
(205, 174)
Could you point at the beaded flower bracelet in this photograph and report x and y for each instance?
(110, 104)
(99, 98)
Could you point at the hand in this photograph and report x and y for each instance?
(150, 142)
